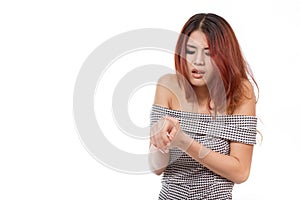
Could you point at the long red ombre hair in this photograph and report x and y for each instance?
(225, 53)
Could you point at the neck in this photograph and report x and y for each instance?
(203, 95)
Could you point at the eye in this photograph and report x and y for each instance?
(207, 53)
(189, 51)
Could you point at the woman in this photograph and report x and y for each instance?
(203, 118)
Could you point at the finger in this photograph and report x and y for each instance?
(173, 120)
(166, 142)
(153, 149)
(169, 124)
(166, 138)
(160, 144)
(163, 140)
(154, 139)
(165, 150)
(173, 132)
(157, 126)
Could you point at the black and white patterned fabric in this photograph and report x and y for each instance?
(185, 178)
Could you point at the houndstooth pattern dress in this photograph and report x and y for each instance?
(185, 178)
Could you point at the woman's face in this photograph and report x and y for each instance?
(200, 67)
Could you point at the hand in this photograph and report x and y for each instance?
(167, 133)
(178, 138)
(160, 134)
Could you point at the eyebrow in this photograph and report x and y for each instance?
(192, 46)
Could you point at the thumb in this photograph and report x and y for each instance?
(173, 133)
(173, 120)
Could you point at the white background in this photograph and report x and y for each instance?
(42, 47)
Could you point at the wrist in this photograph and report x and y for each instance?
(184, 141)
(204, 151)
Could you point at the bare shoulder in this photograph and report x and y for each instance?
(247, 104)
(248, 89)
(164, 88)
(168, 79)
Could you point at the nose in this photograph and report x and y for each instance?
(199, 60)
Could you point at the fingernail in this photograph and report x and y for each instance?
(161, 150)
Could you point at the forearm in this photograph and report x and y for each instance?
(158, 161)
(227, 166)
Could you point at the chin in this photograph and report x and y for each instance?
(197, 83)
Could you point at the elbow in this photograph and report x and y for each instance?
(241, 177)
(240, 180)
(156, 169)
(158, 172)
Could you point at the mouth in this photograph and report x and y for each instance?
(197, 73)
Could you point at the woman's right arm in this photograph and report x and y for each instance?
(158, 161)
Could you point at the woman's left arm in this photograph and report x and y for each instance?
(235, 166)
